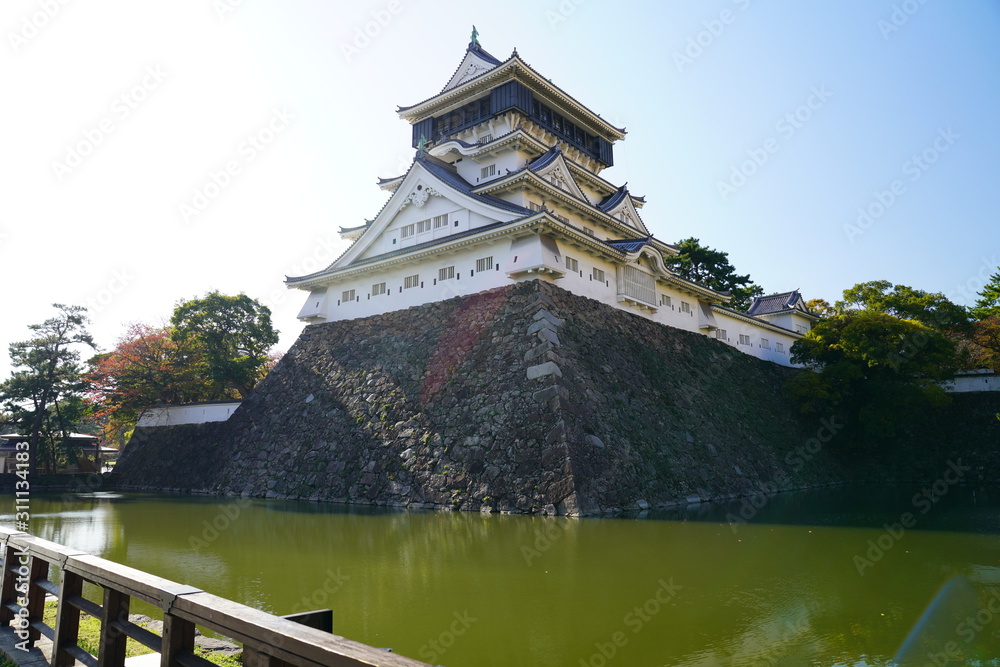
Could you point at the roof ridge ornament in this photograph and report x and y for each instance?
(474, 38)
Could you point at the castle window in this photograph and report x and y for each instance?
(779, 348)
(801, 328)
(488, 170)
(406, 231)
(685, 307)
(636, 284)
(411, 281)
(348, 295)
(440, 221)
(534, 206)
(572, 264)
(484, 264)
(423, 226)
(486, 139)
(665, 300)
(378, 288)
(598, 275)
(744, 339)
(721, 334)
(470, 114)
(765, 343)
(447, 273)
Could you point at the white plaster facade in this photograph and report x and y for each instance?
(505, 186)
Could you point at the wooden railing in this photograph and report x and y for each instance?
(268, 641)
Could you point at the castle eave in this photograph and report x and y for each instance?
(512, 68)
(416, 253)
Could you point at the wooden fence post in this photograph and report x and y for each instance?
(36, 594)
(67, 620)
(7, 593)
(112, 652)
(178, 635)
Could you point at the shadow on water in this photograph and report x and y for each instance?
(958, 508)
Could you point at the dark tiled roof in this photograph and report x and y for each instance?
(545, 159)
(483, 53)
(630, 245)
(774, 303)
(473, 48)
(613, 199)
(449, 175)
(430, 244)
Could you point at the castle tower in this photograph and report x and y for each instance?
(506, 186)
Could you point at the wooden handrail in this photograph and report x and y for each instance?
(268, 640)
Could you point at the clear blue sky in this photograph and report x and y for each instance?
(839, 97)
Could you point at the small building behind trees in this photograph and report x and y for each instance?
(85, 453)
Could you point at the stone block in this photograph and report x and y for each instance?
(538, 350)
(548, 335)
(540, 325)
(557, 433)
(545, 395)
(539, 302)
(548, 317)
(542, 370)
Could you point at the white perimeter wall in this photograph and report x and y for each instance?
(175, 415)
(986, 381)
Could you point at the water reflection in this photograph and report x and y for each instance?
(782, 588)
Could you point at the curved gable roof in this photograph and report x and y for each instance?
(778, 303)
(477, 61)
(552, 164)
(621, 202)
(436, 172)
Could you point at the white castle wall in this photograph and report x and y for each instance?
(764, 342)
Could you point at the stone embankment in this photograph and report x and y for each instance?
(521, 399)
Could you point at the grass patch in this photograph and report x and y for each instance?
(89, 640)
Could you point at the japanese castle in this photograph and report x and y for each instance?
(506, 186)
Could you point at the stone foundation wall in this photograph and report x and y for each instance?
(521, 399)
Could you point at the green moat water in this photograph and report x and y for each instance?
(813, 578)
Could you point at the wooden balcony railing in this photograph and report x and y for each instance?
(268, 641)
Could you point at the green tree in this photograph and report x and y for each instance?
(988, 304)
(43, 394)
(146, 368)
(233, 334)
(984, 344)
(983, 341)
(873, 366)
(930, 308)
(712, 269)
(820, 307)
